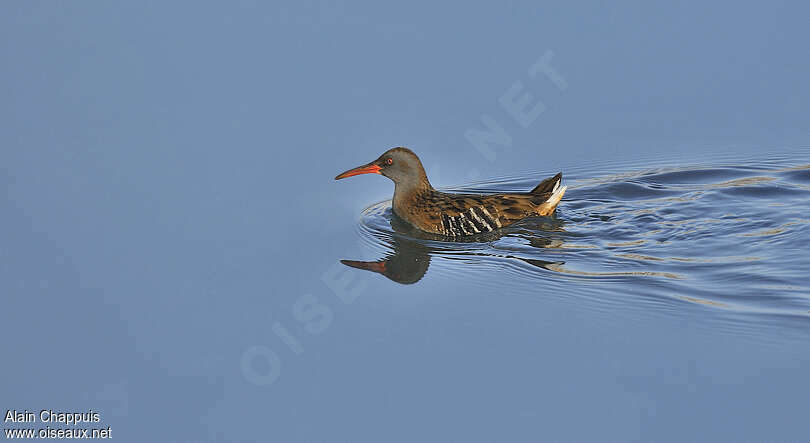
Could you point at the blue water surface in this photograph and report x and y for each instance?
(172, 236)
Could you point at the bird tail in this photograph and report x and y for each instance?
(548, 185)
(555, 198)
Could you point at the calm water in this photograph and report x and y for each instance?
(730, 234)
(171, 235)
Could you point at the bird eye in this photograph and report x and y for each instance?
(389, 161)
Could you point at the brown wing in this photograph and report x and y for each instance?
(460, 214)
(510, 208)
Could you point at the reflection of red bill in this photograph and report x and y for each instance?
(376, 266)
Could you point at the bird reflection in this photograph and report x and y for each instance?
(411, 258)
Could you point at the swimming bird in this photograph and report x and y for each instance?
(455, 215)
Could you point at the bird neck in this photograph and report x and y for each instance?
(406, 193)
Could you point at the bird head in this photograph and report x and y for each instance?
(399, 164)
